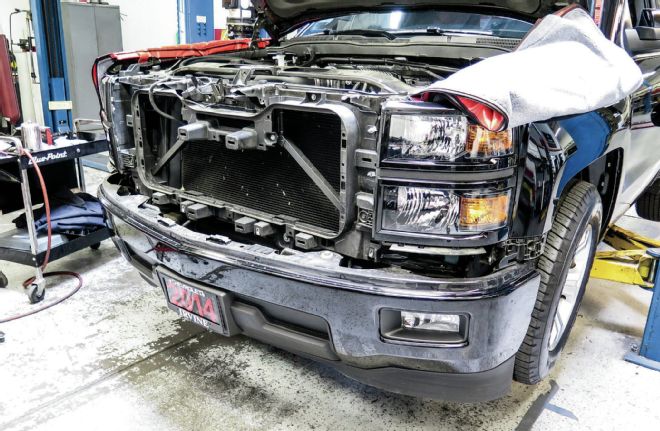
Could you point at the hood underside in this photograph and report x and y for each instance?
(283, 14)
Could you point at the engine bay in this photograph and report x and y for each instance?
(285, 151)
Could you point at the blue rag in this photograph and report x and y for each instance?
(83, 215)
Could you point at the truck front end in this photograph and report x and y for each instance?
(302, 197)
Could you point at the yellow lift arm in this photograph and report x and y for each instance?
(628, 263)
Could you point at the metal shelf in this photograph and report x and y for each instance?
(17, 251)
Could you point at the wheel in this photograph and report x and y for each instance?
(3, 280)
(648, 204)
(95, 246)
(33, 294)
(564, 268)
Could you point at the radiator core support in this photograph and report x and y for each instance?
(268, 183)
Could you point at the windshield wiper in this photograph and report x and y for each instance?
(361, 32)
(444, 32)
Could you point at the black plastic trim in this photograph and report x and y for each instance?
(253, 324)
(468, 387)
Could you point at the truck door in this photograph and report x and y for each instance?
(641, 158)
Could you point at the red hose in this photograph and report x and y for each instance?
(44, 192)
(47, 306)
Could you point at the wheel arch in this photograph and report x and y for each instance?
(605, 174)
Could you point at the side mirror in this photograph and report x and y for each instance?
(646, 36)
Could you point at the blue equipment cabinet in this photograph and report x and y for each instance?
(196, 20)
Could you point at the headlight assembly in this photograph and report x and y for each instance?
(418, 209)
(484, 143)
(427, 210)
(424, 138)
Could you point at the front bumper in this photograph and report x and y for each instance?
(309, 304)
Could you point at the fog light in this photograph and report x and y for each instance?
(424, 328)
(430, 322)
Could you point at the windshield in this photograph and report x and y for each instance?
(418, 22)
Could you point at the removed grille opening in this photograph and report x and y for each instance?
(271, 181)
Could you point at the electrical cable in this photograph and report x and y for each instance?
(152, 100)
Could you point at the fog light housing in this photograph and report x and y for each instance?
(415, 327)
(430, 321)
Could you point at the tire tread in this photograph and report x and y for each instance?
(648, 204)
(574, 202)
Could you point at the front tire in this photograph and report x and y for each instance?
(564, 267)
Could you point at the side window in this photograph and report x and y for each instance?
(604, 14)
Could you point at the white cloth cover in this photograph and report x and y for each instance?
(563, 66)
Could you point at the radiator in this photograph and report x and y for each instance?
(271, 181)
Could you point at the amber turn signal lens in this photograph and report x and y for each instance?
(484, 143)
(484, 212)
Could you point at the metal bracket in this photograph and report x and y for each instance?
(525, 248)
(174, 149)
(648, 354)
(313, 173)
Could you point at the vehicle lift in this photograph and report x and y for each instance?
(51, 59)
(635, 260)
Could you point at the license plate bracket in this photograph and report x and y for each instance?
(197, 303)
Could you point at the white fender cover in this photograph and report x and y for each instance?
(563, 66)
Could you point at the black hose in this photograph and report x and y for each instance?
(152, 100)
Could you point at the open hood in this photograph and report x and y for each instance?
(281, 15)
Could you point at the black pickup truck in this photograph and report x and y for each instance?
(291, 190)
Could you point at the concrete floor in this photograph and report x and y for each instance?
(113, 357)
